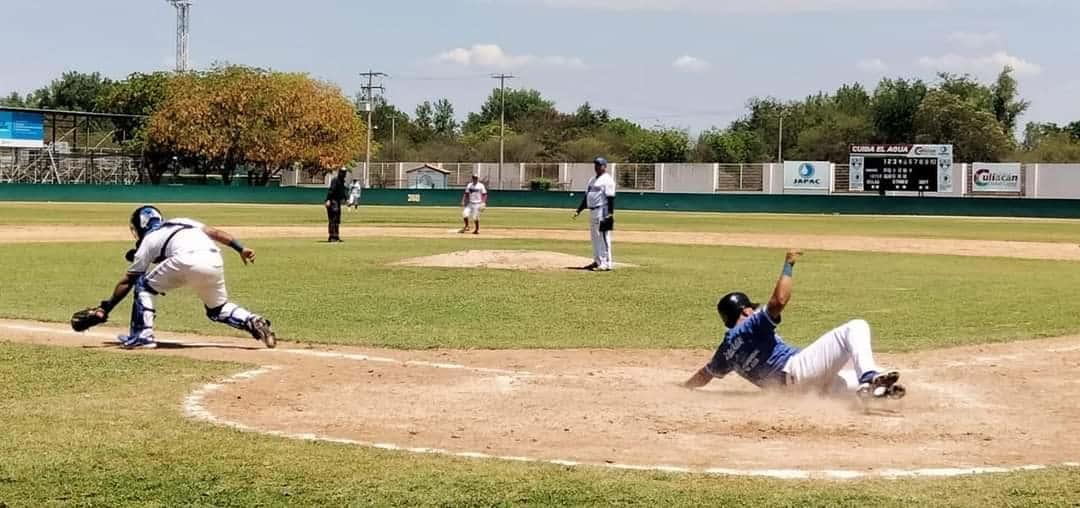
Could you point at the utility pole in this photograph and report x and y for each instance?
(393, 138)
(502, 120)
(369, 105)
(780, 142)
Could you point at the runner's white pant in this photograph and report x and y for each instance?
(601, 241)
(823, 365)
(203, 272)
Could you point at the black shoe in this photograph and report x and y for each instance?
(260, 329)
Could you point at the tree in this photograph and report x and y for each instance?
(947, 118)
(968, 89)
(894, 105)
(732, 145)
(424, 122)
(13, 100)
(73, 90)
(661, 145)
(1053, 147)
(240, 116)
(139, 94)
(442, 120)
(520, 104)
(1006, 102)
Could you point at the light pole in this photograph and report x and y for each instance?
(370, 106)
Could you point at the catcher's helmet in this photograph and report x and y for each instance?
(600, 161)
(731, 307)
(145, 219)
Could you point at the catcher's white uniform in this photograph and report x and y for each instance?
(180, 254)
(597, 191)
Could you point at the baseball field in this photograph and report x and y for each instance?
(417, 366)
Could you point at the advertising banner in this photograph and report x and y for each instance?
(807, 175)
(995, 177)
(22, 129)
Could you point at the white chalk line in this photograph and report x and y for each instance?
(300, 352)
(194, 407)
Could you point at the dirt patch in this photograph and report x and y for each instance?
(532, 260)
(938, 246)
(974, 407)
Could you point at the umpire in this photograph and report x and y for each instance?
(337, 194)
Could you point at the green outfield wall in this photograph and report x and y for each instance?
(742, 203)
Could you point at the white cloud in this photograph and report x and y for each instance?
(873, 65)
(729, 6)
(687, 63)
(494, 57)
(987, 64)
(976, 40)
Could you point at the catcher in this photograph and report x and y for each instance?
(183, 254)
(752, 349)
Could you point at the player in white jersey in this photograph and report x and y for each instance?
(354, 194)
(600, 200)
(179, 253)
(840, 362)
(473, 202)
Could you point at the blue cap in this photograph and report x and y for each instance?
(600, 161)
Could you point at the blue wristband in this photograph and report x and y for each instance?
(788, 269)
(236, 246)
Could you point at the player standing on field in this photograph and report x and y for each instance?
(752, 349)
(600, 200)
(474, 201)
(337, 193)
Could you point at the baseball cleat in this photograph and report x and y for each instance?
(463, 230)
(591, 266)
(875, 385)
(260, 329)
(129, 342)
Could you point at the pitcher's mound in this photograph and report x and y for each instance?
(502, 260)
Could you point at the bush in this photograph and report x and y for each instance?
(540, 184)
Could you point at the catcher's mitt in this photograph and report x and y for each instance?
(87, 318)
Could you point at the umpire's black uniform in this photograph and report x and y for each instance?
(338, 193)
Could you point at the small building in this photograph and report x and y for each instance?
(427, 177)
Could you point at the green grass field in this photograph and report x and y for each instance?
(81, 427)
(1037, 230)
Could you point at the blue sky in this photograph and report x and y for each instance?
(683, 63)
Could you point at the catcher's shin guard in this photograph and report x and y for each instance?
(230, 314)
(142, 311)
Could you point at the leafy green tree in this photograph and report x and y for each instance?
(947, 118)
(1006, 102)
(895, 103)
(73, 90)
(442, 120)
(520, 104)
(13, 100)
(968, 89)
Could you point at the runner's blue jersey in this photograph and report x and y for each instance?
(754, 351)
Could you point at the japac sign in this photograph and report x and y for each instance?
(22, 129)
(1003, 177)
(806, 175)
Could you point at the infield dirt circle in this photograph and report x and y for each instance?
(1000, 406)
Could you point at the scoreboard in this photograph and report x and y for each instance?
(911, 168)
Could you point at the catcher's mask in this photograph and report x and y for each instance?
(145, 219)
(731, 306)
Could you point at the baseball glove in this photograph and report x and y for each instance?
(87, 318)
(130, 255)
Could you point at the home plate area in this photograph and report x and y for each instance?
(1003, 410)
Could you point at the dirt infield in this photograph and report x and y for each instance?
(973, 409)
(528, 260)
(985, 248)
